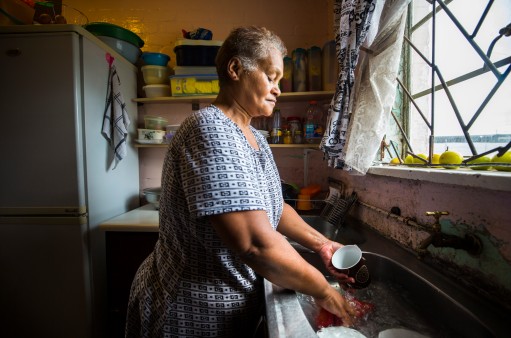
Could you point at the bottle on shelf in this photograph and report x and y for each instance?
(314, 127)
(276, 132)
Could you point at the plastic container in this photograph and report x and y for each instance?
(129, 51)
(155, 74)
(155, 59)
(299, 70)
(157, 90)
(314, 69)
(151, 134)
(190, 70)
(314, 127)
(189, 85)
(155, 122)
(114, 31)
(14, 12)
(286, 83)
(170, 131)
(329, 66)
(196, 52)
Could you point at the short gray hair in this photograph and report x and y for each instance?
(251, 45)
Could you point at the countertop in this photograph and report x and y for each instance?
(143, 219)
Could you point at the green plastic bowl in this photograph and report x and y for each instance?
(114, 31)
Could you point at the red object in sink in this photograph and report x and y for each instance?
(326, 319)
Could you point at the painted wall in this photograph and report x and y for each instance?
(303, 23)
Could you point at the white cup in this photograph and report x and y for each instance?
(349, 260)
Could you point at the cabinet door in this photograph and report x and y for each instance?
(125, 251)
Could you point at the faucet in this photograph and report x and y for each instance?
(470, 243)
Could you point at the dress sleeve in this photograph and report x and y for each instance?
(219, 170)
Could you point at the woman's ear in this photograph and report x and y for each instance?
(234, 68)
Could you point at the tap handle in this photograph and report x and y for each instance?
(436, 215)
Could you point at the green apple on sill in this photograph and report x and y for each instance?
(452, 158)
(482, 159)
(506, 158)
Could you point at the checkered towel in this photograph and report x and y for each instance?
(115, 119)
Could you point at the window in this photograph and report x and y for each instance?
(480, 93)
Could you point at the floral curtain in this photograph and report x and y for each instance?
(360, 108)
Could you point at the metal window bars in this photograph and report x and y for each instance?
(488, 66)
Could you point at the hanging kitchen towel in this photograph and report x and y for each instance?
(115, 118)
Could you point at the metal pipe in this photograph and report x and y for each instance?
(405, 220)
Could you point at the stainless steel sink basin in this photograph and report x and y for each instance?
(423, 299)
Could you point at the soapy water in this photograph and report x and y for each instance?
(393, 308)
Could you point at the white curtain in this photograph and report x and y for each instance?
(359, 111)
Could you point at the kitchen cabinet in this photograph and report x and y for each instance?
(129, 238)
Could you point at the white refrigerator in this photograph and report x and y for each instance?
(56, 179)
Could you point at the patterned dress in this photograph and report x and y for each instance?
(191, 285)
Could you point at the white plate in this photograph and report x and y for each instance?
(149, 141)
(400, 333)
(339, 332)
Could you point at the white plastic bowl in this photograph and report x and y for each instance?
(152, 196)
(157, 90)
(151, 134)
(126, 49)
(155, 74)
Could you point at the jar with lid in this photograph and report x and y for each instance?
(294, 124)
(286, 83)
(314, 68)
(288, 139)
(299, 70)
(329, 66)
(297, 137)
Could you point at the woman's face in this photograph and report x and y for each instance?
(259, 89)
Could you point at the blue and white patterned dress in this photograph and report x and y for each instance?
(192, 285)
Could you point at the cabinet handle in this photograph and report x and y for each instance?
(13, 52)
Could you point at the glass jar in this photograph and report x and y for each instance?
(288, 139)
(297, 138)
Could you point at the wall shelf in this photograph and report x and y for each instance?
(298, 146)
(284, 97)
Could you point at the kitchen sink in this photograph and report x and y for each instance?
(406, 294)
(345, 234)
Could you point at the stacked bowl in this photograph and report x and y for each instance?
(122, 40)
(156, 74)
(154, 131)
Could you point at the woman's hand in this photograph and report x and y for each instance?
(337, 305)
(326, 252)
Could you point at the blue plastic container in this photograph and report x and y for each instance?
(155, 59)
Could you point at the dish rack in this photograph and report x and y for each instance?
(338, 203)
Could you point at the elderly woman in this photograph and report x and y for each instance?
(222, 215)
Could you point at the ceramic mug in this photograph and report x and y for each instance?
(349, 260)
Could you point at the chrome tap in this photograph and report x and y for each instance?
(470, 243)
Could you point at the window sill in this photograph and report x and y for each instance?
(492, 180)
